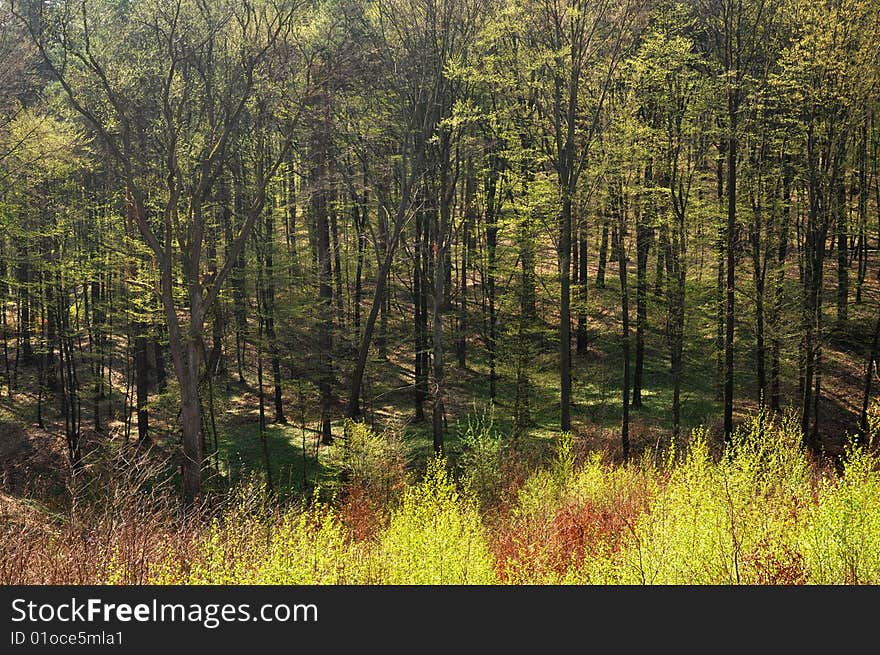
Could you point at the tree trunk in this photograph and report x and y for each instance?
(759, 278)
(492, 208)
(388, 245)
(624, 306)
(730, 248)
(603, 253)
(779, 290)
(467, 220)
(565, 312)
(583, 290)
(337, 262)
(142, 375)
(420, 255)
(359, 210)
(644, 218)
(662, 265)
(842, 223)
(269, 309)
(238, 273)
(442, 219)
(320, 180)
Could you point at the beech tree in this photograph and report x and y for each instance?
(174, 121)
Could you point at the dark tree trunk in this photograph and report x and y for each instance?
(779, 290)
(565, 315)
(270, 317)
(420, 308)
(603, 253)
(441, 228)
(337, 263)
(624, 306)
(290, 220)
(842, 223)
(383, 298)
(522, 403)
(360, 223)
(380, 297)
(730, 248)
(492, 208)
(142, 377)
(644, 218)
(662, 265)
(320, 180)
(814, 256)
(759, 277)
(467, 221)
(238, 273)
(583, 290)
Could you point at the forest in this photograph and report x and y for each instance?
(439, 291)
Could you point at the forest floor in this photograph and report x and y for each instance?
(33, 458)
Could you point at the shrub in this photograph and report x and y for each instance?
(435, 536)
(376, 461)
(480, 460)
(841, 540)
(256, 543)
(569, 523)
(713, 522)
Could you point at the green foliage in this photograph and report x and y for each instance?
(375, 460)
(480, 460)
(252, 544)
(435, 536)
(759, 513)
(717, 522)
(840, 541)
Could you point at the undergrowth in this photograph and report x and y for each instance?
(763, 512)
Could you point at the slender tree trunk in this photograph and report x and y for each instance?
(644, 218)
(662, 265)
(603, 253)
(238, 274)
(676, 298)
(379, 303)
(216, 360)
(419, 309)
(522, 404)
(290, 220)
(779, 290)
(269, 309)
(442, 218)
(388, 245)
(730, 287)
(142, 372)
(467, 221)
(624, 306)
(4, 296)
(383, 298)
(816, 235)
(565, 311)
(337, 265)
(842, 223)
(862, 246)
(359, 210)
(320, 180)
(492, 208)
(759, 278)
(583, 290)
